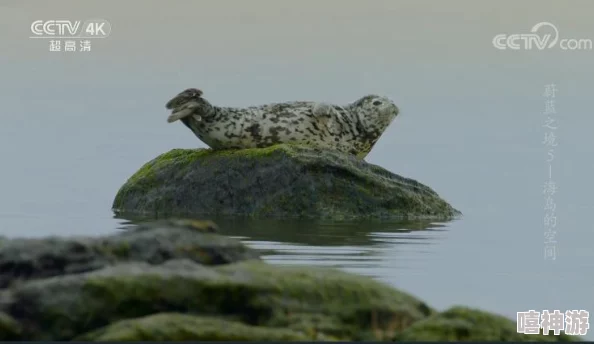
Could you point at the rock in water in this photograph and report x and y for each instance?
(158, 283)
(154, 243)
(278, 181)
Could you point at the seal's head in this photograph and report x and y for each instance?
(375, 113)
(186, 103)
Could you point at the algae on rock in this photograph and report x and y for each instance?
(10, 329)
(181, 327)
(252, 292)
(148, 289)
(278, 181)
(466, 324)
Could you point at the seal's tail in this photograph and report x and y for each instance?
(183, 104)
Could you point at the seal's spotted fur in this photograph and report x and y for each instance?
(353, 128)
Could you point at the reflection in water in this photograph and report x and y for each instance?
(373, 248)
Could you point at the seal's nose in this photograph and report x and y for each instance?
(396, 108)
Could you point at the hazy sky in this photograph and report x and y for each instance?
(62, 113)
(74, 126)
(250, 52)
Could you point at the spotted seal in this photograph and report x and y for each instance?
(353, 128)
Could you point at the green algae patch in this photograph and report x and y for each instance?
(287, 149)
(284, 181)
(319, 286)
(146, 178)
(466, 324)
(318, 303)
(10, 329)
(328, 302)
(181, 327)
(149, 291)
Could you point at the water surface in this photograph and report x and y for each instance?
(75, 126)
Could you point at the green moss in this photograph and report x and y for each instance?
(122, 250)
(187, 156)
(321, 303)
(145, 178)
(466, 324)
(242, 301)
(113, 251)
(10, 329)
(315, 326)
(181, 327)
(106, 299)
(342, 304)
(329, 286)
(324, 184)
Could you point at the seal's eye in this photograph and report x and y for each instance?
(377, 102)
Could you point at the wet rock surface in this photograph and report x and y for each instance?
(283, 181)
(179, 280)
(153, 243)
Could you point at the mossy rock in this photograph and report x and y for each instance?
(10, 329)
(466, 324)
(278, 181)
(321, 303)
(155, 243)
(175, 327)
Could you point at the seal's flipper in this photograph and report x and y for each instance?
(183, 112)
(179, 115)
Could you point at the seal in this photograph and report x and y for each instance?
(353, 128)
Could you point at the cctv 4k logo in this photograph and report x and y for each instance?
(55, 29)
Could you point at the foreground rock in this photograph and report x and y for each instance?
(180, 327)
(279, 181)
(182, 296)
(466, 324)
(152, 243)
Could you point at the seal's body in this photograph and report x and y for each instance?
(353, 128)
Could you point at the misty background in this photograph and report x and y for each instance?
(75, 125)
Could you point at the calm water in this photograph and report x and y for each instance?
(75, 126)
